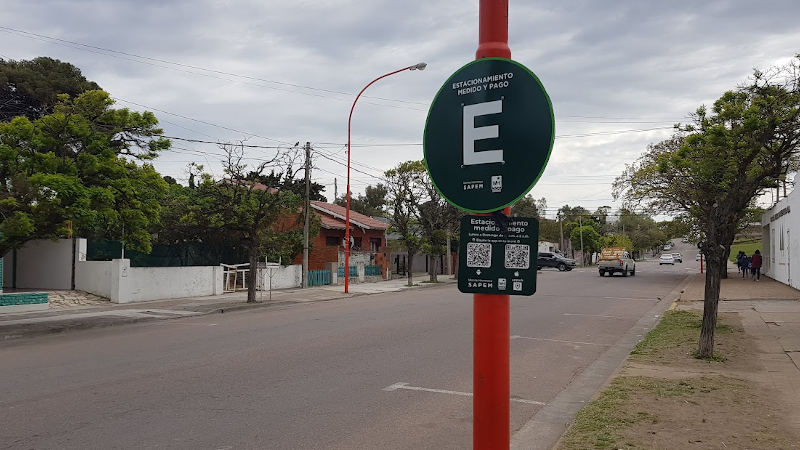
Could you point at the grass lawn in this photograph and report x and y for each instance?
(749, 247)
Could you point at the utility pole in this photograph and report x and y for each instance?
(561, 227)
(307, 208)
(335, 191)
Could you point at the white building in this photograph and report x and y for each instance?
(780, 243)
(545, 246)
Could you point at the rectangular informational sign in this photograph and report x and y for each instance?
(498, 255)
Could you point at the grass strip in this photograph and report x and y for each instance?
(600, 424)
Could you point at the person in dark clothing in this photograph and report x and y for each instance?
(739, 262)
(745, 265)
(755, 263)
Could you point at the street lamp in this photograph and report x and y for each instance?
(420, 66)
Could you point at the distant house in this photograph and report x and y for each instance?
(367, 239)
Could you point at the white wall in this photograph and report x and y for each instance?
(138, 284)
(121, 283)
(41, 264)
(94, 277)
(283, 277)
(781, 245)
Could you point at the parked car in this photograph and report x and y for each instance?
(616, 259)
(548, 259)
(697, 258)
(667, 247)
(666, 258)
(677, 257)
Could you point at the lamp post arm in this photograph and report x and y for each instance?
(347, 192)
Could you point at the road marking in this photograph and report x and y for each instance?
(558, 340)
(401, 385)
(592, 315)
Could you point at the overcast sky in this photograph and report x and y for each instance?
(273, 73)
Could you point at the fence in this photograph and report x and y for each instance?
(372, 270)
(319, 277)
(234, 277)
(353, 271)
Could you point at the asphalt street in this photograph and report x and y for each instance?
(386, 371)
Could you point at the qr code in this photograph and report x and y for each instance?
(479, 254)
(518, 256)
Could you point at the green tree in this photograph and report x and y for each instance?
(591, 239)
(31, 88)
(437, 220)
(549, 230)
(80, 170)
(371, 203)
(405, 194)
(529, 207)
(247, 212)
(714, 168)
(616, 240)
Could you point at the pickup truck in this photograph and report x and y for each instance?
(616, 259)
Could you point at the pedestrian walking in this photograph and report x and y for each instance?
(739, 263)
(745, 265)
(755, 263)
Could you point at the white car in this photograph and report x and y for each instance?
(697, 258)
(666, 258)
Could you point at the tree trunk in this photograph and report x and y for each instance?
(714, 259)
(410, 265)
(723, 268)
(252, 275)
(432, 272)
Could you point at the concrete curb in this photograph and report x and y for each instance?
(19, 331)
(545, 428)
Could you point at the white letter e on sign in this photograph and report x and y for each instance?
(472, 133)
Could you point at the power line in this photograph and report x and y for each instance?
(204, 69)
(353, 168)
(223, 143)
(558, 136)
(200, 121)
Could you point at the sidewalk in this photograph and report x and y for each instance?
(770, 313)
(70, 312)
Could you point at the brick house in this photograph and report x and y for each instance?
(367, 236)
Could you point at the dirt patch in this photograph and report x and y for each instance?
(72, 299)
(664, 398)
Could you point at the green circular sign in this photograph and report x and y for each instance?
(489, 134)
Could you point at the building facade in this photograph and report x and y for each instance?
(780, 245)
(367, 239)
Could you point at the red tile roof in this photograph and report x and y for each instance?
(333, 217)
(256, 186)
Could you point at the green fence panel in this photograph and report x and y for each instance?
(353, 271)
(319, 277)
(372, 270)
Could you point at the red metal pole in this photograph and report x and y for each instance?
(490, 423)
(493, 30)
(347, 209)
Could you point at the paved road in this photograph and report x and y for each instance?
(321, 375)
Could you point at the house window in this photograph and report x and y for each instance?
(374, 244)
(331, 241)
(357, 243)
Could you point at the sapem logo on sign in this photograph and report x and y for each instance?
(489, 134)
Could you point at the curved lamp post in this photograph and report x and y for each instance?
(420, 66)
